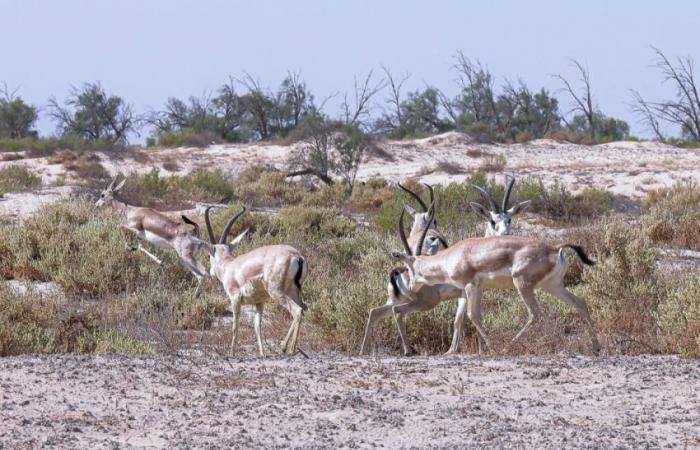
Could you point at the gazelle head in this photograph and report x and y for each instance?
(420, 219)
(220, 250)
(409, 256)
(109, 193)
(499, 218)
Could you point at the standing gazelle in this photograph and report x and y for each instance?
(433, 243)
(498, 219)
(428, 297)
(158, 229)
(274, 271)
(498, 262)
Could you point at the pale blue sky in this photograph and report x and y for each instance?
(149, 50)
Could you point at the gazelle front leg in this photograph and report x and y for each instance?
(458, 324)
(236, 309)
(125, 233)
(257, 323)
(474, 313)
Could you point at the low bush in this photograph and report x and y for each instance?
(259, 186)
(187, 138)
(16, 178)
(177, 192)
(672, 216)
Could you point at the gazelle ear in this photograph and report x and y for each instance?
(517, 208)
(479, 209)
(120, 185)
(239, 238)
(410, 210)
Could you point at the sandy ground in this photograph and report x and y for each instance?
(334, 401)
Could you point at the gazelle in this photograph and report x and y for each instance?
(498, 218)
(497, 262)
(434, 242)
(499, 223)
(274, 271)
(156, 228)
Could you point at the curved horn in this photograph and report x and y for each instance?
(224, 234)
(419, 246)
(414, 195)
(432, 194)
(210, 230)
(487, 196)
(506, 196)
(402, 234)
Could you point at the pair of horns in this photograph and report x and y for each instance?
(227, 229)
(417, 197)
(492, 202)
(402, 232)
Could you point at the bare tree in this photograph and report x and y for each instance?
(684, 110)
(649, 115)
(355, 113)
(583, 102)
(395, 119)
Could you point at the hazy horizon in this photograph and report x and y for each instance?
(146, 52)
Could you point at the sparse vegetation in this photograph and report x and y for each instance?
(118, 300)
(16, 178)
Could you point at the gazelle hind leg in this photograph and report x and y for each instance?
(375, 315)
(289, 344)
(257, 323)
(474, 313)
(570, 298)
(402, 309)
(401, 326)
(527, 293)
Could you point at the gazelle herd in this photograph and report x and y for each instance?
(432, 271)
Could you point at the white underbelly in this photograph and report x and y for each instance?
(154, 239)
(496, 279)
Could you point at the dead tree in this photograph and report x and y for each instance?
(684, 110)
(394, 99)
(583, 102)
(355, 113)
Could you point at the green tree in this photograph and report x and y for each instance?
(91, 114)
(16, 117)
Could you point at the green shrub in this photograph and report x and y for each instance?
(81, 249)
(679, 317)
(258, 186)
(16, 178)
(672, 216)
(172, 192)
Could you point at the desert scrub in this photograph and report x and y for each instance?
(624, 288)
(171, 192)
(371, 195)
(259, 186)
(678, 316)
(79, 247)
(16, 178)
(558, 203)
(86, 166)
(672, 216)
